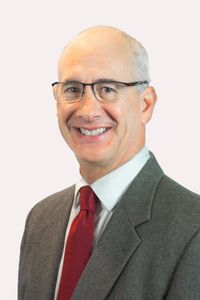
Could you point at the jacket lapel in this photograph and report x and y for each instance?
(120, 239)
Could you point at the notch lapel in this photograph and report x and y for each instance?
(120, 239)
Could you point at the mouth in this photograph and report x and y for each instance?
(93, 132)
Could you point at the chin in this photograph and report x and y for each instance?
(92, 158)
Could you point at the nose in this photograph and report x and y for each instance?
(89, 107)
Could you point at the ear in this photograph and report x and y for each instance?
(148, 101)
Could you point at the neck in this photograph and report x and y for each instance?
(92, 171)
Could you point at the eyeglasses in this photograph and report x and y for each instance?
(104, 91)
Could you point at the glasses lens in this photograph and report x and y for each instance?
(109, 91)
(70, 91)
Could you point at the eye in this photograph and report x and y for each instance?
(107, 89)
(71, 89)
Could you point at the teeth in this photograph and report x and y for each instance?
(92, 132)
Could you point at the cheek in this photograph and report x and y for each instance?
(127, 117)
(114, 111)
(64, 113)
(133, 119)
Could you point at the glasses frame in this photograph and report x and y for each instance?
(136, 83)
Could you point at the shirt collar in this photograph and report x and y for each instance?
(112, 186)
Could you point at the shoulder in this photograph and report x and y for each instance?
(177, 202)
(170, 189)
(55, 200)
(52, 205)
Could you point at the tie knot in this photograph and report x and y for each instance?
(87, 199)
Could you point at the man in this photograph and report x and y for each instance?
(144, 228)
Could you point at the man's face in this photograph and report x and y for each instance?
(102, 135)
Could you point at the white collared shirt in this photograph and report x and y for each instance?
(109, 190)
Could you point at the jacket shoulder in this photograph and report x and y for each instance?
(173, 188)
(178, 202)
(55, 199)
(52, 205)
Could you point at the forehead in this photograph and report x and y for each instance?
(107, 54)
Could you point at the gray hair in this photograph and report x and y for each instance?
(140, 64)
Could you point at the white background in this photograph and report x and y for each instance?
(35, 161)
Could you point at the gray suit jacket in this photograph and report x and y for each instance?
(150, 249)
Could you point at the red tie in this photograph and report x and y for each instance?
(79, 244)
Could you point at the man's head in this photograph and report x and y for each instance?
(104, 127)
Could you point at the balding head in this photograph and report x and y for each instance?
(107, 42)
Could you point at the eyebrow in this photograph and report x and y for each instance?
(97, 80)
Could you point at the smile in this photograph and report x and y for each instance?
(94, 132)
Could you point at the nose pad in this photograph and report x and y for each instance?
(89, 107)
